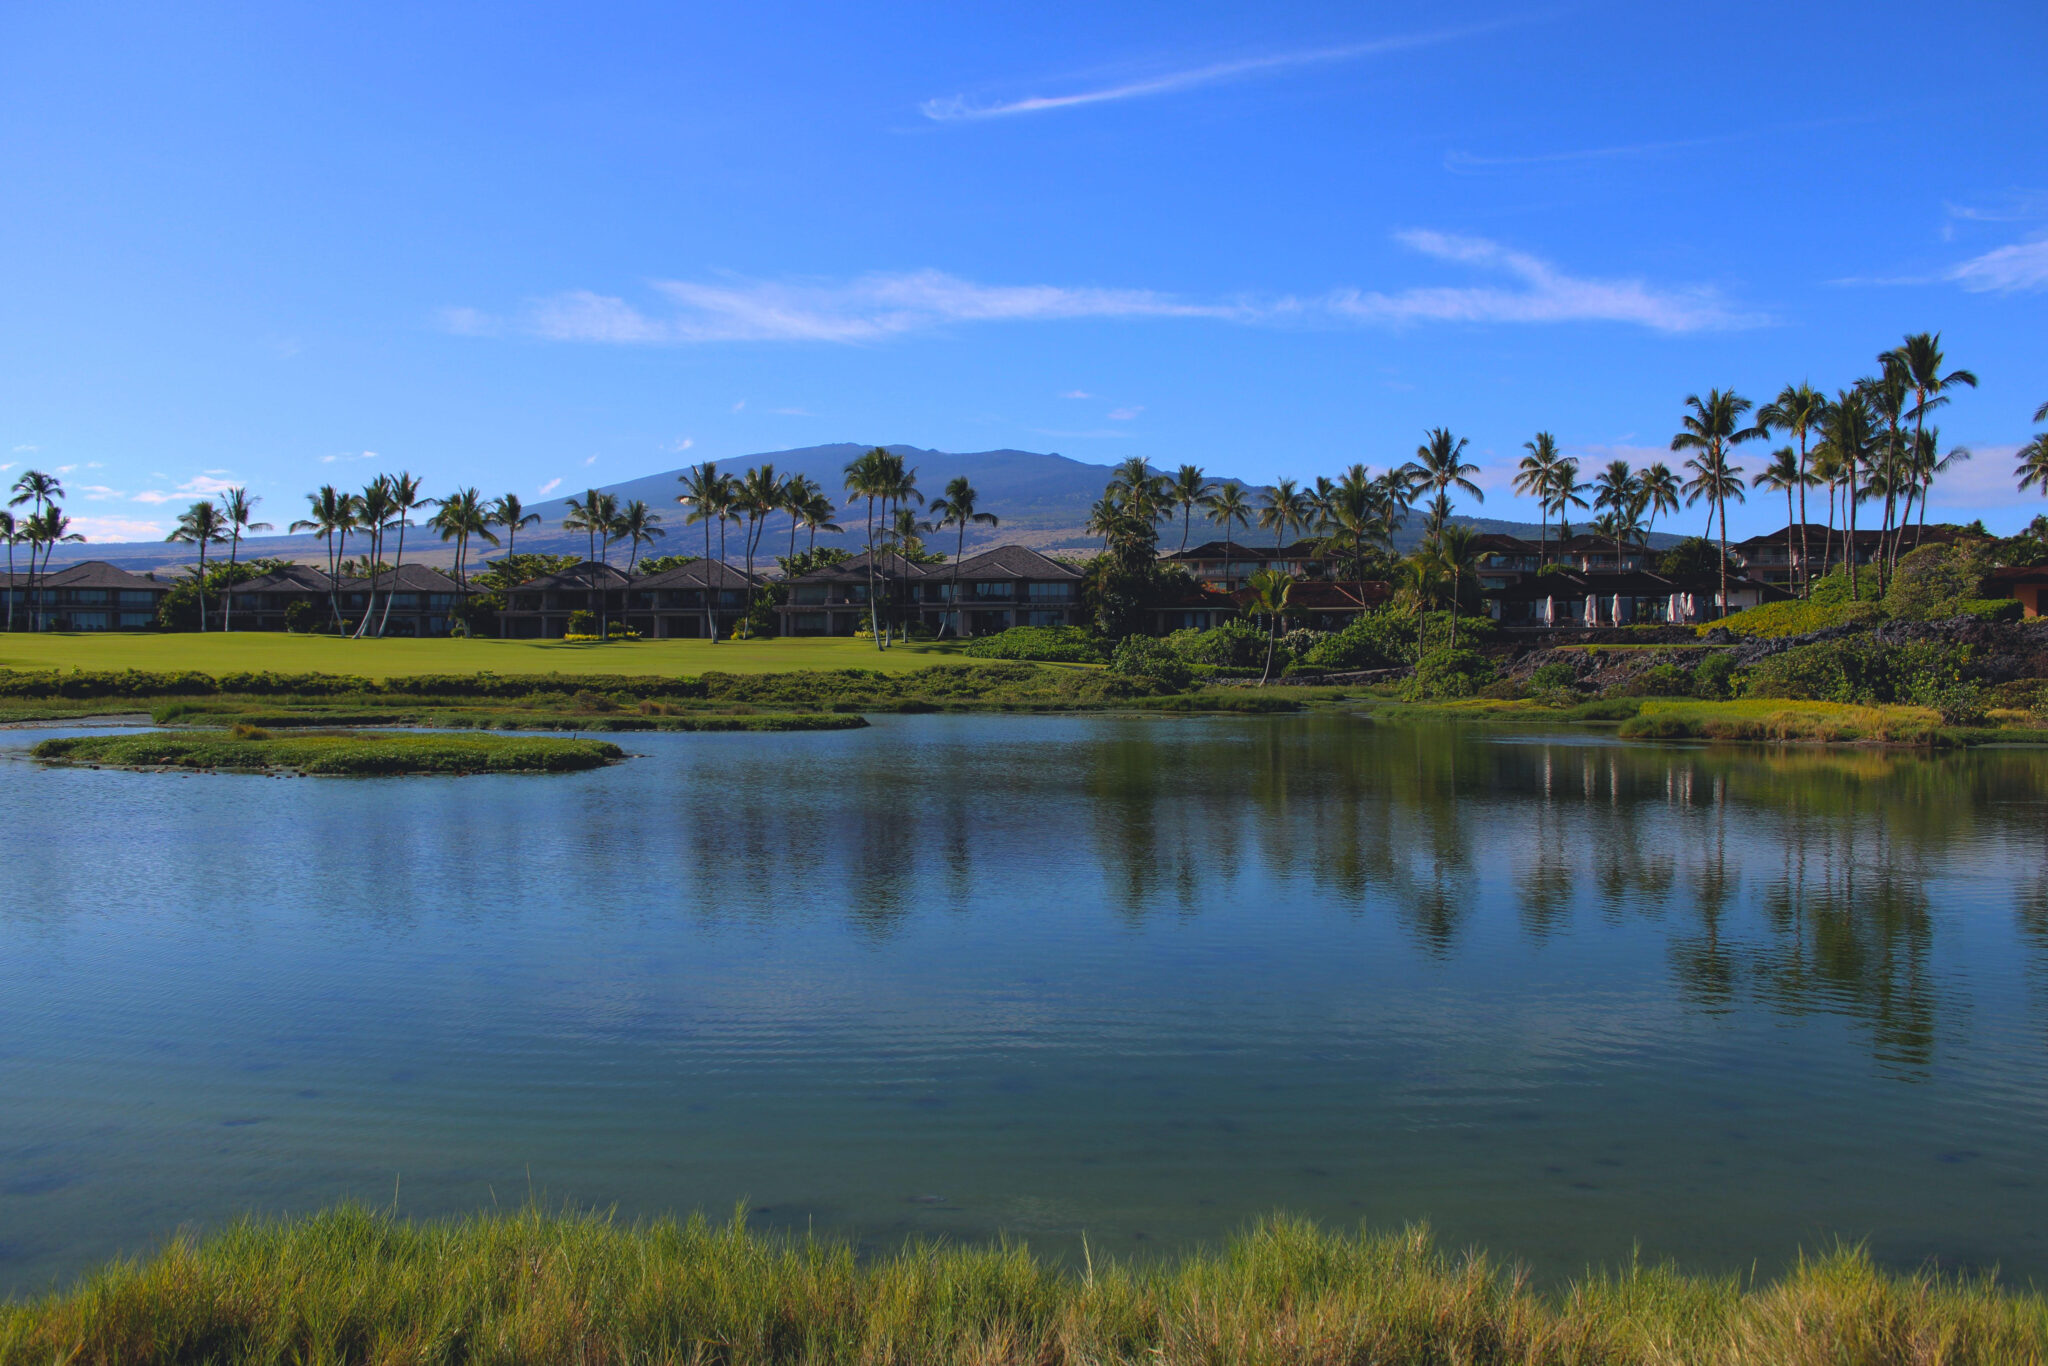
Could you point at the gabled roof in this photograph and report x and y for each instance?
(1500, 543)
(715, 574)
(586, 576)
(91, 574)
(1586, 543)
(1326, 595)
(296, 578)
(1240, 550)
(1011, 562)
(408, 578)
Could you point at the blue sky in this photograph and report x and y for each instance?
(512, 245)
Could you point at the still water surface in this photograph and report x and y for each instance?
(1140, 977)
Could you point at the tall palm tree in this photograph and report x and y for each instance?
(1849, 431)
(1927, 466)
(1533, 477)
(1661, 493)
(1351, 517)
(758, 498)
(508, 512)
(405, 496)
(867, 477)
(586, 514)
(1920, 361)
(375, 507)
(1712, 427)
(956, 508)
(1564, 494)
(1786, 472)
(461, 515)
(2032, 471)
(10, 534)
(1888, 394)
(41, 489)
(1285, 507)
(201, 525)
(48, 529)
(639, 525)
(331, 515)
(1270, 591)
(1188, 488)
(1440, 463)
(1617, 489)
(706, 493)
(1139, 491)
(238, 510)
(816, 516)
(1456, 551)
(1826, 471)
(1797, 411)
(1228, 506)
(797, 492)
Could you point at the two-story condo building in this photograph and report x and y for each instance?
(89, 596)
(1006, 586)
(412, 600)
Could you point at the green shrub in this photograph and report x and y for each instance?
(1934, 581)
(1373, 640)
(1447, 673)
(1043, 644)
(1659, 680)
(1605, 709)
(1553, 677)
(1714, 676)
(1862, 669)
(1150, 657)
(1236, 644)
(582, 623)
(1991, 609)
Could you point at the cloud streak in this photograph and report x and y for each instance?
(2020, 267)
(957, 108)
(877, 307)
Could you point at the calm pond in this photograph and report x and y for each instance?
(1140, 977)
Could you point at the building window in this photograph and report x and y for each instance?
(994, 590)
(1050, 591)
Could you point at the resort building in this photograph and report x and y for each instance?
(1226, 565)
(90, 596)
(1777, 556)
(997, 589)
(421, 600)
(671, 604)
(2030, 586)
(1562, 599)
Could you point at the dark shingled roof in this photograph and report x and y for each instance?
(409, 578)
(696, 574)
(1009, 562)
(296, 578)
(586, 576)
(1323, 595)
(90, 574)
(1239, 550)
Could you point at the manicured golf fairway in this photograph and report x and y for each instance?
(252, 650)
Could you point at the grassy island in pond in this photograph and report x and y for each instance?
(348, 754)
(355, 1286)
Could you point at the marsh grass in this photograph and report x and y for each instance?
(341, 753)
(351, 1285)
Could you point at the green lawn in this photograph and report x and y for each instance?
(259, 650)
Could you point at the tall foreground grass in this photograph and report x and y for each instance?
(355, 1286)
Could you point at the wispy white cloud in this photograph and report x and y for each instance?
(117, 529)
(99, 493)
(1077, 393)
(590, 460)
(1465, 161)
(549, 487)
(958, 108)
(19, 450)
(680, 444)
(2021, 266)
(348, 455)
(66, 469)
(1542, 293)
(881, 306)
(1125, 414)
(206, 485)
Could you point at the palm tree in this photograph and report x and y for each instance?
(1142, 493)
(1797, 411)
(10, 533)
(816, 516)
(1927, 466)
(508, 512)
(200, 525)
(706, 493)
(1286, 507)
(640, 525)
(1564, 495)
(586, 514)
(1456, 549)
(1887, 393)
(1920, 360)
(867, 477)
(955, 508)
(1617, 489)
(1270, 590)
(238, 509)
(1533, 478)
(1660, 490)
(1826, 471)
(1440, 463)
(2032, 471)
(48, 529)
(1711, 428)
(1786, 472)
(462, 515)
(375, 507)
(1227, 507)
(1849, 432)
(797, 492)
(758, 497)
(1351, 517)
(41, 489)
(405, 496)
(1189, 488)
(332, 514)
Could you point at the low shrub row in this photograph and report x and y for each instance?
(252, 749)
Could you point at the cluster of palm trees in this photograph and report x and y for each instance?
(748, 501)
(42, 530)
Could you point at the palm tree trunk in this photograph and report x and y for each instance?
(1788, 528)
(1272, 633)
(227, 610)
(10, 583)
(1722, 503)
(392, 592)
(874, 609)
(959, 549)
(1805, 549)
(1849, 542)
(202, 582)
(710, 622)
